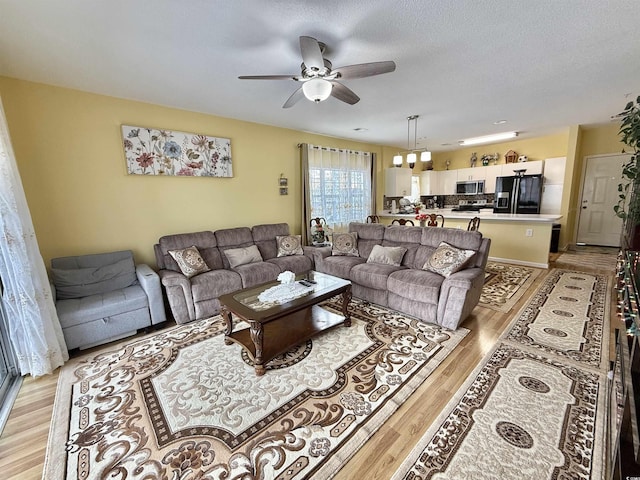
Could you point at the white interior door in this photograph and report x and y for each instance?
(597, 223)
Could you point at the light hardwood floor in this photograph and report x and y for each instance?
(23, 441)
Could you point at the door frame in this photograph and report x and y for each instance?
(583, 174)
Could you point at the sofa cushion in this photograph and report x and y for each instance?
(339, 266)
(82, 282)
(448, 259)
(76, 311)
(386, 255)
(345, 244)
(293, 263)
(372, 275)
(404, 236)
(214, 283)
(289, 245)
(204, 241)
(416, 285)
(256, 273)
(264, 236)
(189, 261)
(369, 234)
(242, 256)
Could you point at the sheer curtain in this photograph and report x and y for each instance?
(34, 328)
(337, 186)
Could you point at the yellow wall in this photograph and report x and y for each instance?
(68, 146)
(69, 151)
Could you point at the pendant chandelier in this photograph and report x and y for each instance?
(412, 154)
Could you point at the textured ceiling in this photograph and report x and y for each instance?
(541, 65)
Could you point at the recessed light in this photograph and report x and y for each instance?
(499, 122)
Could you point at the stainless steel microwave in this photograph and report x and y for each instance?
(471, 187)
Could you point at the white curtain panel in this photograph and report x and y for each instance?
(34, 329)
(339, 186)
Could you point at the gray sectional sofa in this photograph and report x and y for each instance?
(408, 287)
(196, 297)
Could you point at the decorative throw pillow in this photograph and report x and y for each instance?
(345, 244)
(386, 255)
(289, 245)
(243, 255)
(190, 261)
(448, 259)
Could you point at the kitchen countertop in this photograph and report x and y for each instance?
(486, 214)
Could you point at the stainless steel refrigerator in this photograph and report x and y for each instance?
(518, 194)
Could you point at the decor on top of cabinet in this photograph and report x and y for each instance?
(523, 158)
(473, 159)
(486, 158)
(511, 156)
(151, 151)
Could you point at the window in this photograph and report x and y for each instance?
(339, 186)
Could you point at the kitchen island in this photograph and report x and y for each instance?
(515, 238)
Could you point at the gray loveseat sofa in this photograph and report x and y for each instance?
(196, 297)
(408, 287)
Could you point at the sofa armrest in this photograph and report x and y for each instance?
(459, 294)
(316, 254)
(179, 295)
(150, 283)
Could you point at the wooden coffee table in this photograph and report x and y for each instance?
(276, 328)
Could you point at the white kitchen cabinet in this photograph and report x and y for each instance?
(475, 173)
(531, 167)
(397, 182)
(492, 172)
(447, 182)
(554, 170)
(429, 180)
(551, 202)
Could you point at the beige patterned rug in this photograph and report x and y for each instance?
(182, 405)
(505, 284)
(535, 407)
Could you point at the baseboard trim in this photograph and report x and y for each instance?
(519, 262)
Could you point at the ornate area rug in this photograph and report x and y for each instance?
(505, 284)
(534, 408)
(182, 405)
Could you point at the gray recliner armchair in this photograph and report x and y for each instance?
(104, 297)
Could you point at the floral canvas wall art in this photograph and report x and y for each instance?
(151, 151)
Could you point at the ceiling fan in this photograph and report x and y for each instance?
(319, 79)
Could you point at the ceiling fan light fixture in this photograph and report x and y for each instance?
(496, 137)
(317, 89)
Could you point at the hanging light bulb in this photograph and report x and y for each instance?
(425, 156)
(317, 89)
(397, 160)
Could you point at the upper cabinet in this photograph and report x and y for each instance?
(531, 168)
(492, 172)
(429, 180)
(397, 182)
(554, 170)
(468, 174)
(447, 182)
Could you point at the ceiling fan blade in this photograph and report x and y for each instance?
(295, 96)
(343, 93)
(311, 53)
(365, 69)
(267, 77)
